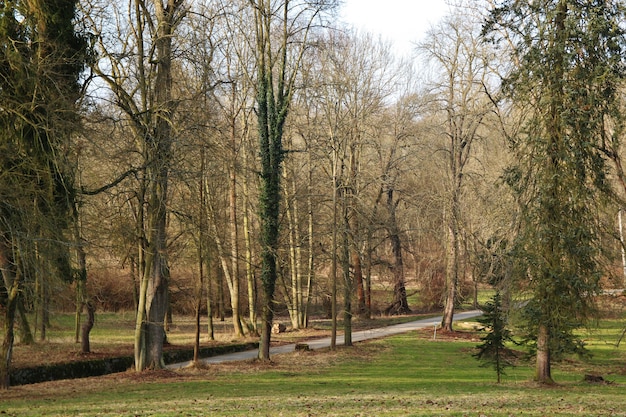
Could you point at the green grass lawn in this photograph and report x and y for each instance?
(407, 375)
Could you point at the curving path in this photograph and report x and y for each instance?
(325, 342)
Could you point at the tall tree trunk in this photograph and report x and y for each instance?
(231, 280)
(139, 340)
(234, 235)
(235, 292)
(209, 306)
(270, 196)
(199, 288)
(543, 373)
(333, 270)
(250, 279)
(452, 267)
(347, 281)
(200, 252)
(296, 311)
(24, 332)
(210, 261)
(311, 250)
(218, 273)
(40, 294)
(292, 303)
(300, 300)
(157, 296)
(400, 304)
(82, 298)
(12, 282)
(368, 280)
(150, 334)
(360, 284)
(251, 283)
(85, 330)
(277, 65)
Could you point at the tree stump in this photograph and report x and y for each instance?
(278, 328)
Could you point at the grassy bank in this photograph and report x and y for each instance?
(408, 375)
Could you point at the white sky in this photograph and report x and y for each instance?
(400, 21)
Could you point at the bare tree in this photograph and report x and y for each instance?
(461, 60)
(137, 68)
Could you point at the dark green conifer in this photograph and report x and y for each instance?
(493, 351)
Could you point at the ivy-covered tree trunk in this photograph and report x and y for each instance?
(271, 151)
(271, 157)
(277, 66)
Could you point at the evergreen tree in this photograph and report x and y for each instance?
(41, 58)
(569, 57)
(493, 350)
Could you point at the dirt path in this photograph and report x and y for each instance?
(325, 342)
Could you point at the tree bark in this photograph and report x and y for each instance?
(41, 298)
(360, 284)
(290, 211)
(24, 332)
(209, 295)
(234, 238)
(200, 285)
(311, 255)
(347, 281)
(452, 272)
(150, 334)
(400, 304)
(231, 280)
(333, 268)
(297, 306)
(86, 327)
(250, 279)
(12, 282)
(543, 372)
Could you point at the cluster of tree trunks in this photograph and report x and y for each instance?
(326, 199)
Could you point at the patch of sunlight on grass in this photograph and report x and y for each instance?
(405, 375)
